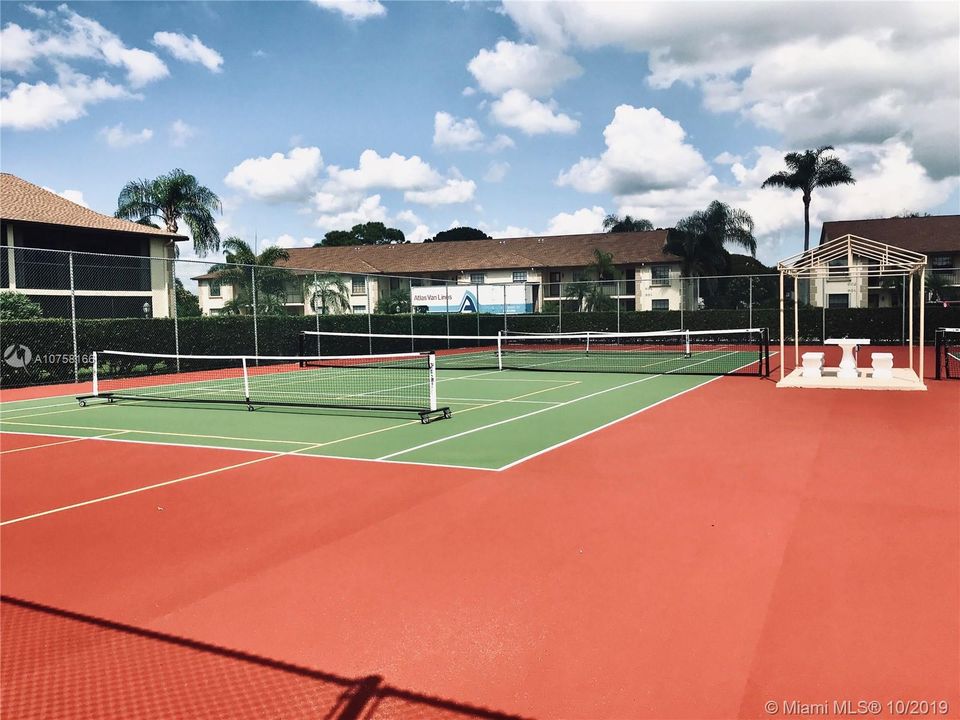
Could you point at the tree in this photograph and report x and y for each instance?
(938, 285)
(17, 306)
(249, 272)
(809, 170)
(170, 198)
(616, 224)
(371, 233)
(188, 304)
(394, 304)
(602, 265)
(700, 239)
(457, 234)
(328, 293)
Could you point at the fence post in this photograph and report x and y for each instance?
(616, 298)
(446, 294)
(174, 310)
(366, 285)
(477, 308)
(73, 320)
(504, 308)
(750, 302)
(253, 294)
(560, 306)
(683, 300)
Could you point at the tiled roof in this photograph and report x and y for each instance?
(934, 234)
(520, 253)
(25, 202)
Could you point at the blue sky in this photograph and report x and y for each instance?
(517, 118)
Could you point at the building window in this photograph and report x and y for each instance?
(214, 288)
(660, 275)
(838, 268)
(519, 276)
(941, 262)
(359, 309)
(553, 289)
(476, 278)
(394, 283)
(358, 285)
(660, 305)
(838, 300)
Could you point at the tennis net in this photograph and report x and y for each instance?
(948, 353)
(399, 382)
(681, 352)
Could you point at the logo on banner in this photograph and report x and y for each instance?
(469, 304)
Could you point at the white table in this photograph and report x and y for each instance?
(848, 363)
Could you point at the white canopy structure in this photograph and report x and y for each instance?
(858, 259)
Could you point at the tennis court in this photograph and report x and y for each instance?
(597, 542)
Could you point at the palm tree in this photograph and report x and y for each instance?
(699, 240)
(616, 224)
(251, 273)
(602, 265)
(329, 293)
(170, 198)
(806, 171)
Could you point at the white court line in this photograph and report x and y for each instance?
(4, 411)
(534, 412)
(61, 442)
(613, 422)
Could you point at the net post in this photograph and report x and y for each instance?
(499, 351)
(937, 343)
(686, 344)
(246, 380)
(432, 365)
(96, 382)
(301, 346)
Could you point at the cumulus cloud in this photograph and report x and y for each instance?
(420, 233)
(877, 71)
(189, 49)
(408, 216)
(584, 220)
(497, 171)
(369, 210)
(501, 142)
(67, 35)
(535, 70)
(289, 241)
(355, 10)
(453, 134)
(645, 151)
(451, 192)
(280, 177)
(75, 196)
(395, 172)
(181, 133)
(518, 110)
(119, 137)
(45, 105)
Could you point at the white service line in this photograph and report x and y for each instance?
(61, 442)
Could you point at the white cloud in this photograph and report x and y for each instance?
(189, 49)
(454, 134)
(877, 71)
(408, 216)
(727, 158)
(419, 234)
(118, 137)
(279, 177)
(42, 105)
(510, 231)
(395, 172)
(453, 191)
(67, 35)
(497, 171)
(369, 210)
(501, 142)
(353, 9)
(181, 133)
(468, 91)
(584, 220)
(518, 110)
(289, 241)
(75, 196)
(645, 151)
(534, 70)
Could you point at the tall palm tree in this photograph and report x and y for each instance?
(616, 224)
(700, 240)
(329, 293)
(170, 198)
(602, 265)
(250, 272)
(806, 171)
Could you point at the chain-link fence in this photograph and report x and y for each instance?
(59, 307)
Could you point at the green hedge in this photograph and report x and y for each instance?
(51, 344)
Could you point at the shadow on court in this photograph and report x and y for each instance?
(57, 663)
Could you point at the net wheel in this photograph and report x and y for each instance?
(83, 403)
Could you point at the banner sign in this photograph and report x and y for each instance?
(511, 299)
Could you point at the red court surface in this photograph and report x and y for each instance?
(735, 546)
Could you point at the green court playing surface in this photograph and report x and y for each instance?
(499, 419)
